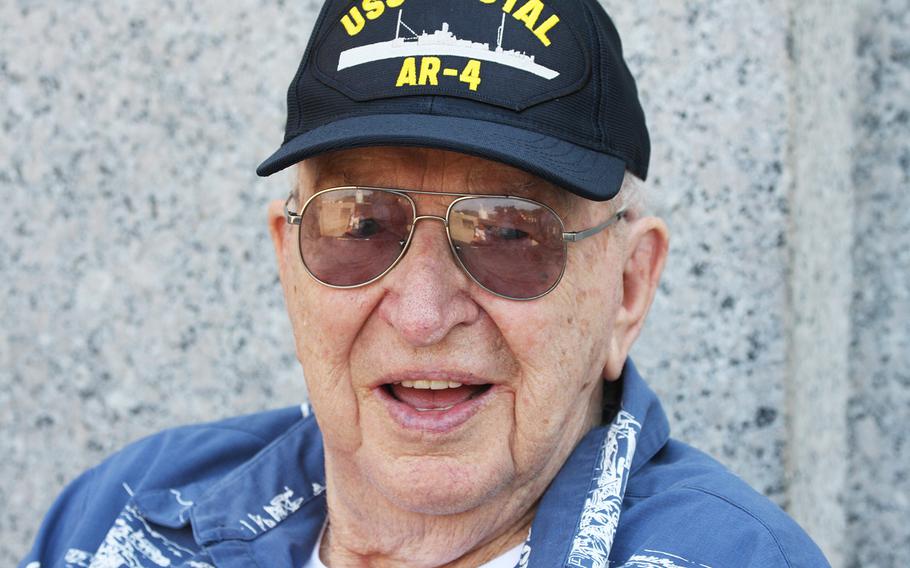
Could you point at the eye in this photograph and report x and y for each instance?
(513, 234)
(361, 228)
(504, 234)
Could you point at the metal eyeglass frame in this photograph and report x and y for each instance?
(295, 218)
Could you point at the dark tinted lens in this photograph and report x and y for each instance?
(512, 247)
(351, 236)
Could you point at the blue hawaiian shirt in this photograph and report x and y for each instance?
(250, 492)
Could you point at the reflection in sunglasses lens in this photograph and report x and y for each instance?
(351, 236)
(512, 247)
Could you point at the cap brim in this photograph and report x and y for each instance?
(585, 172)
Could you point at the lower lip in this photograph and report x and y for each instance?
(432, 421)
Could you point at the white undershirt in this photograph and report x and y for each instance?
(508, 560)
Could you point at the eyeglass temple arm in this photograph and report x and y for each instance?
(291, 217)
(582, 235)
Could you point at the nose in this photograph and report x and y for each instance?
(427, 293)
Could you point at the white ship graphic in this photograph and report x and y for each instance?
(442, 42)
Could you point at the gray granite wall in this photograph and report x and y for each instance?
(877, 488)
(820, 271)
(137, 288)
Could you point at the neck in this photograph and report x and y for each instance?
(462, 540)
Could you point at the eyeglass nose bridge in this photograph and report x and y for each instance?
(418, 218)
(452, 247)
(434, 217)
(406, 243)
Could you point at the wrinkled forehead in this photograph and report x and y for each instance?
(430, 169)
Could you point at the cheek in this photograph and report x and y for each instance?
(326, 323)
(592, 292)
(555, 346)
(572, 328)
(562, 344)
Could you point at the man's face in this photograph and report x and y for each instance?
(532, 372)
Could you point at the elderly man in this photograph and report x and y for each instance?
(466, 262)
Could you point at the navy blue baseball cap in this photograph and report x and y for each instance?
(537, 84)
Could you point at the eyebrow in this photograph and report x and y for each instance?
(522, 185)
(542, 191)
(345, 172)
(346, 175)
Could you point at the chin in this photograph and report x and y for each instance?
(432, 485)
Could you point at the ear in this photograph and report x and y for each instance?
(282, 236)
(647, 242)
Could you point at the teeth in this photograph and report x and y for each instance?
(430, 385)
(443, 409)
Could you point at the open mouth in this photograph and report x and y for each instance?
(436, 406)
(434, 396)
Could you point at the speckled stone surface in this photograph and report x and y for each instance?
(138, 289)
(823, 87)
(878, 482)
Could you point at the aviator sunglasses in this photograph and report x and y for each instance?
(513, 247)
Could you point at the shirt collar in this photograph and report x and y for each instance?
(577, 528)
(642, 403)
(258, 496)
